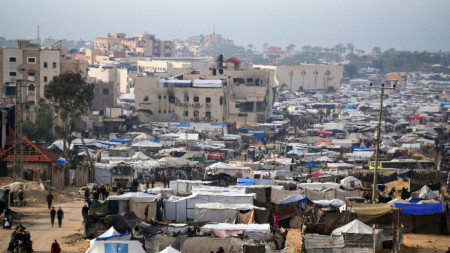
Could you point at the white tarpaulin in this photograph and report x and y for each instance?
(351, 182)
(246, 228)
(103, 173)
(291, 199)
(327, 203)
(219, 212)
(169, 250)
(354, 227)
(136, 196)
(183, 209)
(426, 193)
(109, 246)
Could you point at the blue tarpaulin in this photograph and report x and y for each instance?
(251, 181)
(61, 161)
(258, 136)
(444, 104)
(420, 209)
(363, 149)
(351, 106)
(311, 163)
(123, 141)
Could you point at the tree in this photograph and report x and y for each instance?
(290, 47)
(376, 51)
(350, 47)
(41, 129)
(265, 46)
(350, 71)
(69, 96)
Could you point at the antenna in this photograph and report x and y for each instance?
(38, 36)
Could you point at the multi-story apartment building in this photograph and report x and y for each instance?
(37, 68)
(139, 44)
(204, 95)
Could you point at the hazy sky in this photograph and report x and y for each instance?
(399, 24)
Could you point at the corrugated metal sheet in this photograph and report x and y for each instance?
(316, 241)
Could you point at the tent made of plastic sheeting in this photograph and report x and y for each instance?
(103, 173)
(186, 185)
(296, 198)
(327, 203)
(176, 162)
(420, 209)
(426, 193)
(367, 212)
(252, 181)
(219, 212)
(339, 165)
(296, 152)
(252, 229)
(147, 144)
(169, 250)
(183, 209)
(319, 186)
(109, 246)
(354, 227)
(207, 188)
(136, 196)
(351, 182)
(360, 155)
(140, 156)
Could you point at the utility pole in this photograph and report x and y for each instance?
(18, 128)
(291, 73)
(377, 152)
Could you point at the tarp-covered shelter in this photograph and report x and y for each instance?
(219, 212)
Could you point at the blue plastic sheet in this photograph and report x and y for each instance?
(251, 181)
(420, 209)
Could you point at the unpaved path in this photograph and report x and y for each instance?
(36, 219)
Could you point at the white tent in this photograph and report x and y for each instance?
(354, 227)
(291, 199)
(169, 250)
(108, 246)
(219, 212)
(351, 182)
(426, 193)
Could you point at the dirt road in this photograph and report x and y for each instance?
(36, 219)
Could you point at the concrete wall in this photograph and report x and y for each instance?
(310, 81)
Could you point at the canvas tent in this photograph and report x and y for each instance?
(169, 250)
(426, 193)
(219, 212)
(354, 227)
(351, 182)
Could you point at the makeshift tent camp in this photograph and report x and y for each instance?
(351, 182)
(223, 228)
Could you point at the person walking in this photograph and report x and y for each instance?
(107, 190)
(55, 247)
(85, 213)
(50, 198)
(52, 216)
(102, 191)
(20, 197)
(164, 179)
(95, 192)
(87, 194)
(60, 216)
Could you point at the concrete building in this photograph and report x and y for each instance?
(204, 95)
(139, 45)
(39, 68)
(309, 76)
(104, 96)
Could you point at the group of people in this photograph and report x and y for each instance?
(98, 192)
(20, 236)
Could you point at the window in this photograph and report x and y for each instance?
(208, 114)
(31, 59)
(12, 59)
(186, 99)
(196, 114)
(54, 65)
(249, 80)
(31, 87)
(45, 64)
(105, 91)
(31, 74)
(208, 99)
(186, 114)
(196, 99)
(159, 111)
(171, 99)
(159, 96)
(45, 79)
(164, 111)
(12, 74)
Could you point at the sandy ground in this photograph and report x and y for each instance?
(36, 219)
(420, 243)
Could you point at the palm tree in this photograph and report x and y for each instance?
(303, 75)
(325, 75)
